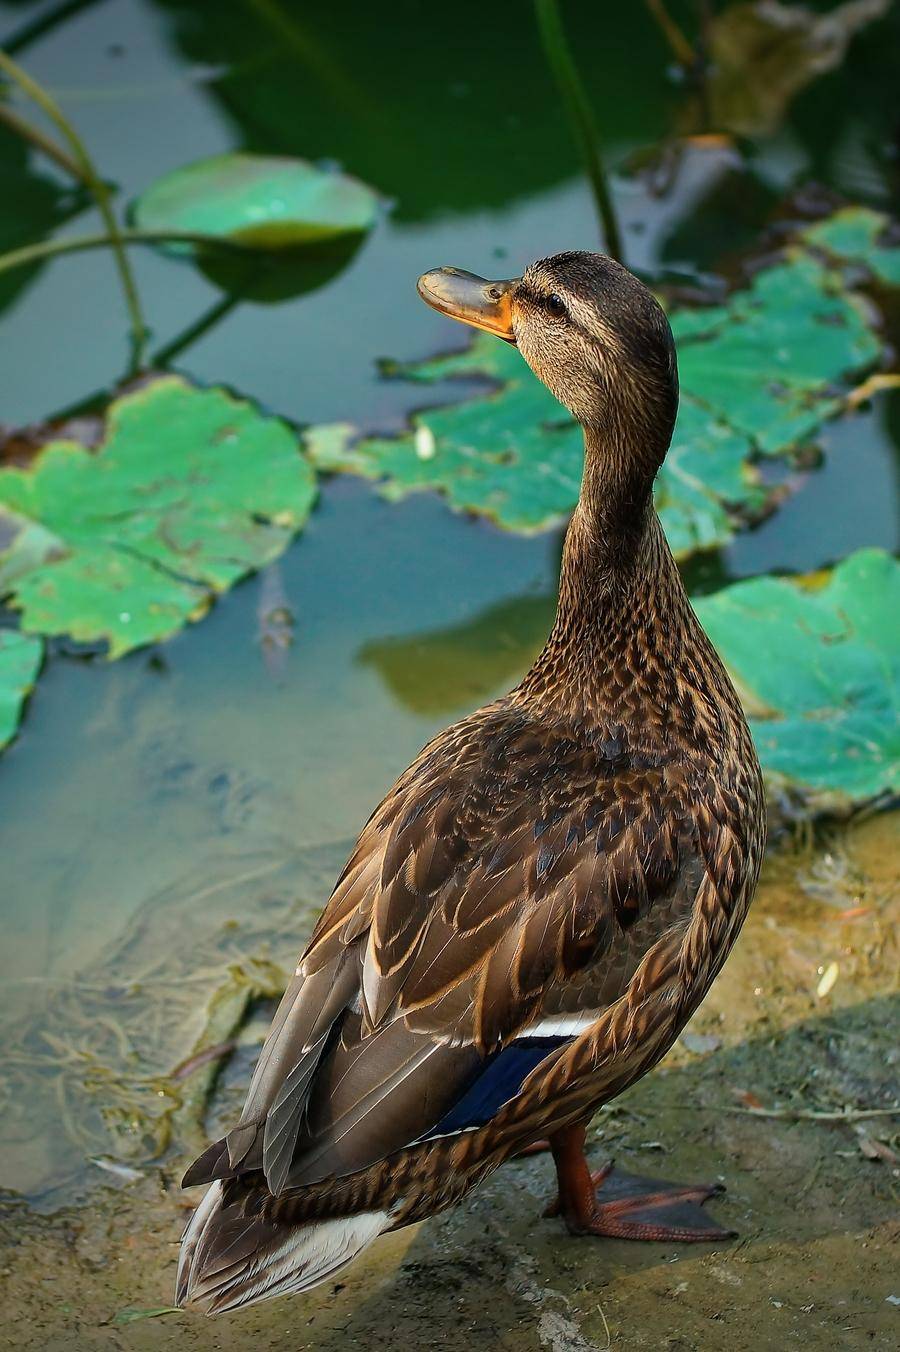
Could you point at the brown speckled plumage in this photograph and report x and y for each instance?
(586, 846)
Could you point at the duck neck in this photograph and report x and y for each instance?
(626, 648)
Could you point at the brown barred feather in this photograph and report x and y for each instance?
(585, 847)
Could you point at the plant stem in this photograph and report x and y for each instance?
(581, 117)
(691, 57)
(29, 132)
(796, 1114)
(38, 27)
(196, 330)
(815, 1114)
(51, 248)
(98, 189)
(881, 380)
(682, 50)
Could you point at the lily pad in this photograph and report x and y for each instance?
(190, 490)
(20, 659)
(528, 474)
(259, 201)
(759, 376)
(770, 361)
(860, 235)
(817, 662)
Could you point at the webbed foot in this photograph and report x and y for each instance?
(619, 1205)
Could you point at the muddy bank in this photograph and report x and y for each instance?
(813, 1197)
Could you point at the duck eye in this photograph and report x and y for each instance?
(556, 305)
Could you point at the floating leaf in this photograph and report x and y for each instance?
(707, 483)
(767, 362)
(516, 457)
(821, 656)
(759, 375)
(512, 455)
(20, 658)
(260, 201)
(191, 490)
(859, 235)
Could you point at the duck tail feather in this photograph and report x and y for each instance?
(234, 1254)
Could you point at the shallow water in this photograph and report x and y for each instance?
(165, 815)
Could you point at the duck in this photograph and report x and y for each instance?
(540, 903)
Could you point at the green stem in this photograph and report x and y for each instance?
(581, 117)
(29, 132)
(691, 58)
(98, 190)
(200, 326)
(51, 248)
(39, 27)
(681, 48)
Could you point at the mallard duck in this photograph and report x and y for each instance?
(543, 898)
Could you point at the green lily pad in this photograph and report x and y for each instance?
(817, 662)
(20, 659)
(530, 477)
(769, 362)
(859, 235)
(759, 375)
(189, 492)
(260, 201)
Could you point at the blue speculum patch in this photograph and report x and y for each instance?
(500, 1079)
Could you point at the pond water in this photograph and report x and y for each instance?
(138, 787)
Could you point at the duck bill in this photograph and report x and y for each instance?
(471, 300)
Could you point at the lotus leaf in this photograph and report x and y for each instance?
(20, 658)
(817, 662)
(191, 490)
(260, 201)
(759, 375)
(859, 235)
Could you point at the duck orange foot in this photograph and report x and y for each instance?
(618, 1205)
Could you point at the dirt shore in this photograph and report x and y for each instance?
(813, 1198)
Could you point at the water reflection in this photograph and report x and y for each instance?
(465, 664)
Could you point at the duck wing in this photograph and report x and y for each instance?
(497, 901)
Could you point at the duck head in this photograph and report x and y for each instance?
(595, 336)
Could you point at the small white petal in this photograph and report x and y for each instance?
(425, 443)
